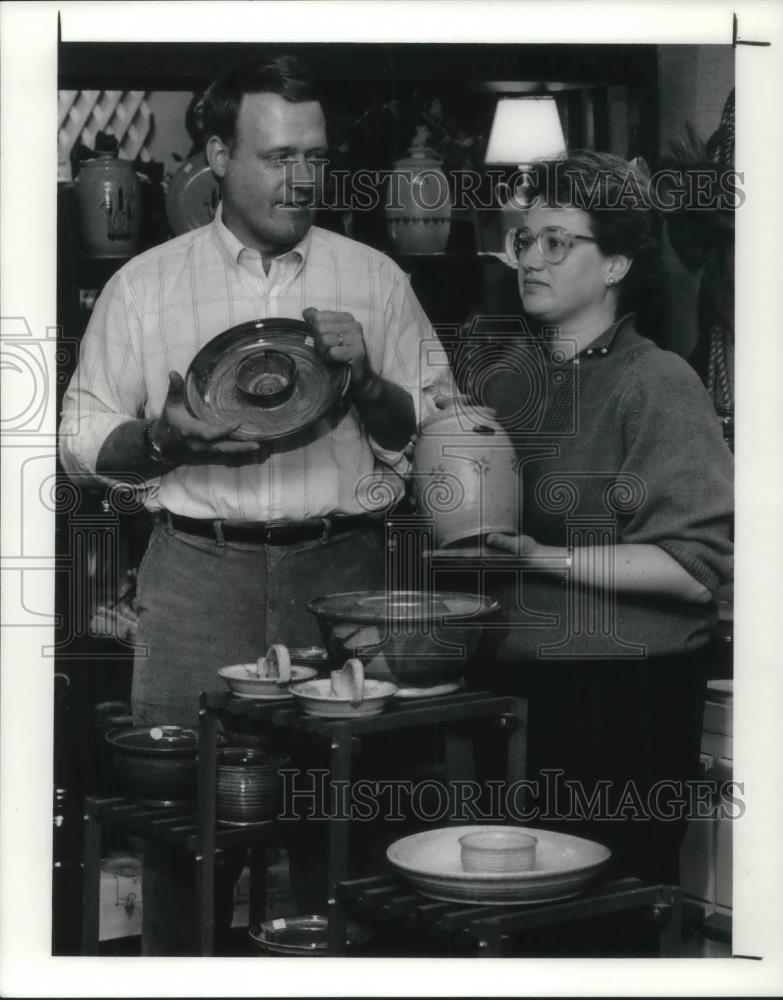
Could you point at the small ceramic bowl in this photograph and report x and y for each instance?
(266, 378)
(315, 699)
(244, 682)
(498, 851)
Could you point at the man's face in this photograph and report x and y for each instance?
(270, 181)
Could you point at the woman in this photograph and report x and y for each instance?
(627, 489)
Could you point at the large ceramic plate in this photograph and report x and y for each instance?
(212, 394)
(192, 195)
(430, 861)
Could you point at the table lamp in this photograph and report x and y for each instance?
(524, 129)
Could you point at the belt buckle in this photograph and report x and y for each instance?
(269, 534)
(327, 530)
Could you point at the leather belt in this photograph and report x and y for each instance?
(271, 532)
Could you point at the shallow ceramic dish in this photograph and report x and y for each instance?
(315, 699)
(301, 936)
(243, 681)
(212, 393)
(431, 862)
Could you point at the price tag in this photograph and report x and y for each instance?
(279, 924)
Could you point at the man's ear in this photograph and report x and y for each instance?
(218, 155)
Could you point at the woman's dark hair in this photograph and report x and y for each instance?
(286, 76)
(615, 194)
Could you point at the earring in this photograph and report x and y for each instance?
(610, 280)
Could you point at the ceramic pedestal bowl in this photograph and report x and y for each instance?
(417, 640)
(156, 764)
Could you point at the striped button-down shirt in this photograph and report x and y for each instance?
(159, 310)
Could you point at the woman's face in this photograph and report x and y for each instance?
(577, 286)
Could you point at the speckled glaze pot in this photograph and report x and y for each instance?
(249, 786)
(465, 476)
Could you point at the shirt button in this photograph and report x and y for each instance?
(604, 350)
(590, 350)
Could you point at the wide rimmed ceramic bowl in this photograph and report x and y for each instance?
(212, 392)
(431, 861)
(420, 641)
(244, 682)
(314, 698)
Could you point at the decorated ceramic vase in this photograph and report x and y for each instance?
(109, 194)
(418, 205)
(465, 476)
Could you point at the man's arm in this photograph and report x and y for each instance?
(150, 448)
(385, 409)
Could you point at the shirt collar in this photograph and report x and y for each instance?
(603, 343)
(235, 250)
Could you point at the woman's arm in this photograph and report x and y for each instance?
(629, 567)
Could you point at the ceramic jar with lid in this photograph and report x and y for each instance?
(418, 204)
(109, 194)
(465, 476)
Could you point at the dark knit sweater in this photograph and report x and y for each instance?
(620, 445)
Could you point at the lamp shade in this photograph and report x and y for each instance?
(525, 129)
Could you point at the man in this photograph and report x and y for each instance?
(244, 536)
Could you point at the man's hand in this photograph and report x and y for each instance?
(184, 440)
(341, 339)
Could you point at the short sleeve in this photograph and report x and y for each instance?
(673, 449)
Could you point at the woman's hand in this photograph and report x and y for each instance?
(515, 545)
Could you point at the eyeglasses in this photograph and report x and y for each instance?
(553, 242)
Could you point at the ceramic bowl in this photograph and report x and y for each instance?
(243, 681)
(266, 378)
(498, 851)
(156, 764)
(249, 786)
(315, 699)
(419, 641)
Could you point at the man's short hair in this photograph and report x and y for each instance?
(285, 75)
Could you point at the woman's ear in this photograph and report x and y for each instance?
(218, 155)
(618, 267)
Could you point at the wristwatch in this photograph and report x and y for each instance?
(151, 446)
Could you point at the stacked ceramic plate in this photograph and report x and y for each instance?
(431, 861)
